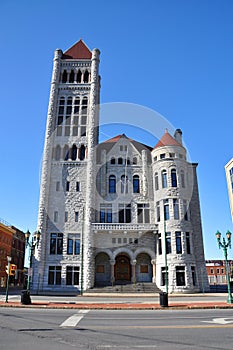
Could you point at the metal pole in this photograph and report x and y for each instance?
(229, 298)
(30, 264)
(8, 276)
(165, 252)
(82, 254)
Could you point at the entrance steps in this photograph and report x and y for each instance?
(140, 287)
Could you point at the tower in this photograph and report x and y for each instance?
(64, 257)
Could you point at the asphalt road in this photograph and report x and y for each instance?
(66, 329)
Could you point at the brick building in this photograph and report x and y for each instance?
(110, 213)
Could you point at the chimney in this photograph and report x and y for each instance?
(178, 136)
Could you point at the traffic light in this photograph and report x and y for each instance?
(7, 269)
(13, 269)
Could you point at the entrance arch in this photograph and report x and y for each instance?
(144, 268)
(122, 268)
(102, 269)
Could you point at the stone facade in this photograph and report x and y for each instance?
(115, 212)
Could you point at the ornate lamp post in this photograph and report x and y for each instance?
(31, 244)
(224, 245)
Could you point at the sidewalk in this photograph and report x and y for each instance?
(110, 303)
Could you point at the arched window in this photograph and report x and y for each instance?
(112, 184)
(76, 105)
(164, 178)
(66, 152)
(135, 161)
(120, 161)
(64, 76)
(84, 101)
(113, 161)
(79, 76)
(182, 178)
(128, 161)
(86, 77)
(57, 152)
(124, 184)
(136, 184)
(82, 152)
(173, 178)
(73, 155)
(71, 79)
(156, 182)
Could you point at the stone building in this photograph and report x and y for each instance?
(115, 212)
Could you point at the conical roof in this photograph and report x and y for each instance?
(167, 140)
(78, 51)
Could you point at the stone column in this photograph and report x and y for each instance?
(133, 264)
(91, 171)
(47, 155)
(153, 262)
(112, 262)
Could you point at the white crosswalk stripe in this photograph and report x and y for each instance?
(73, 320)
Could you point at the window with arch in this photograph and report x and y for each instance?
(136, 184)
(156, 181)
(182, 177)
(79, 76)
(124, 184)
(76, 105)
(74, 152)
(64, 76)
(82, 152)
(66, 152)
(173, 178)
(86, 77)
(71, 78)
(113, 161)
(57, 152)
(164, 178)
(112, 184)
(120, 161)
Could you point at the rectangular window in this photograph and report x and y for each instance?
(67, 186)
(180, 275)
(66, 216)
(75, 131)
(144, 269)
(56, 243)
(143, 212)
(76, 216)
(58, 186)
(67, 131)
(166, 209)
(162, 156)
(59, 130)
(55, 216)
(73, 244)
(176, 209)
(106, 213)
(185, 210)
(78, 187)
(124, 213)
(164, 276)
(178, 243)
(188, 246)
(168, 243)
(72, 275)
(159, 244)
(54, 276)
(158, 211)
(193, 275)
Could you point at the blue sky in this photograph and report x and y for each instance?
(172, 56)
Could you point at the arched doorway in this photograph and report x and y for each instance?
(143, 268)
(102, 269)
(122, 268)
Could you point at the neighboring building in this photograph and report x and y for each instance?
(229, 176)
(110, 213)
(216, 271)
(12, 243)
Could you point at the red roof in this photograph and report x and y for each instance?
(117, 138)
(78, 50)
(167, 140)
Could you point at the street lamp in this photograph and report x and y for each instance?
(224, 245)
(31, 244)
(8, 276)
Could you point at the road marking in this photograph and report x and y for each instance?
(73, 320)
(221, 320)
(163, 327)
(127, 347)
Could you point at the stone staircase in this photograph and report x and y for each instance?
(130, 288)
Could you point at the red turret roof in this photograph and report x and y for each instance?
(78, 51)
(167, 140)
